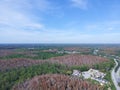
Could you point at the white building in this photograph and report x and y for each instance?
(95, 75)
(76, 73)
(92, 74)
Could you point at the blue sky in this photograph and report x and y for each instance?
(59, 21)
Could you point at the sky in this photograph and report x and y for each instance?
(59, 21)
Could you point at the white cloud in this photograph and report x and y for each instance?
(110, 28)
(82, 4)
(22, 5)
(103, 26)
(63, 36)
(18, 14)
(19, 24)
(21, 14)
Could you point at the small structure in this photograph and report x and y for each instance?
(95, 52)
(76, 73)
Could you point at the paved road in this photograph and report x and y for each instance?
(113, 75)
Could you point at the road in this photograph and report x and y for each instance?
(113, 75)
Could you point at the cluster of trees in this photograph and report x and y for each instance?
(14, 76)
(104, 66)
(46, 55)
(69, 60)
(17, 63)
(110, 51)
(57, 82)
(108, 78)
(11, 77)
(5, 52)
(18, 68)
(32, 55)
(12, 56)
(76, 59)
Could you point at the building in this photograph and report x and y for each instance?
(76, 73)
(92, 74)
(95, 75)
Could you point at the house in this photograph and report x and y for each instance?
(76, 73)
